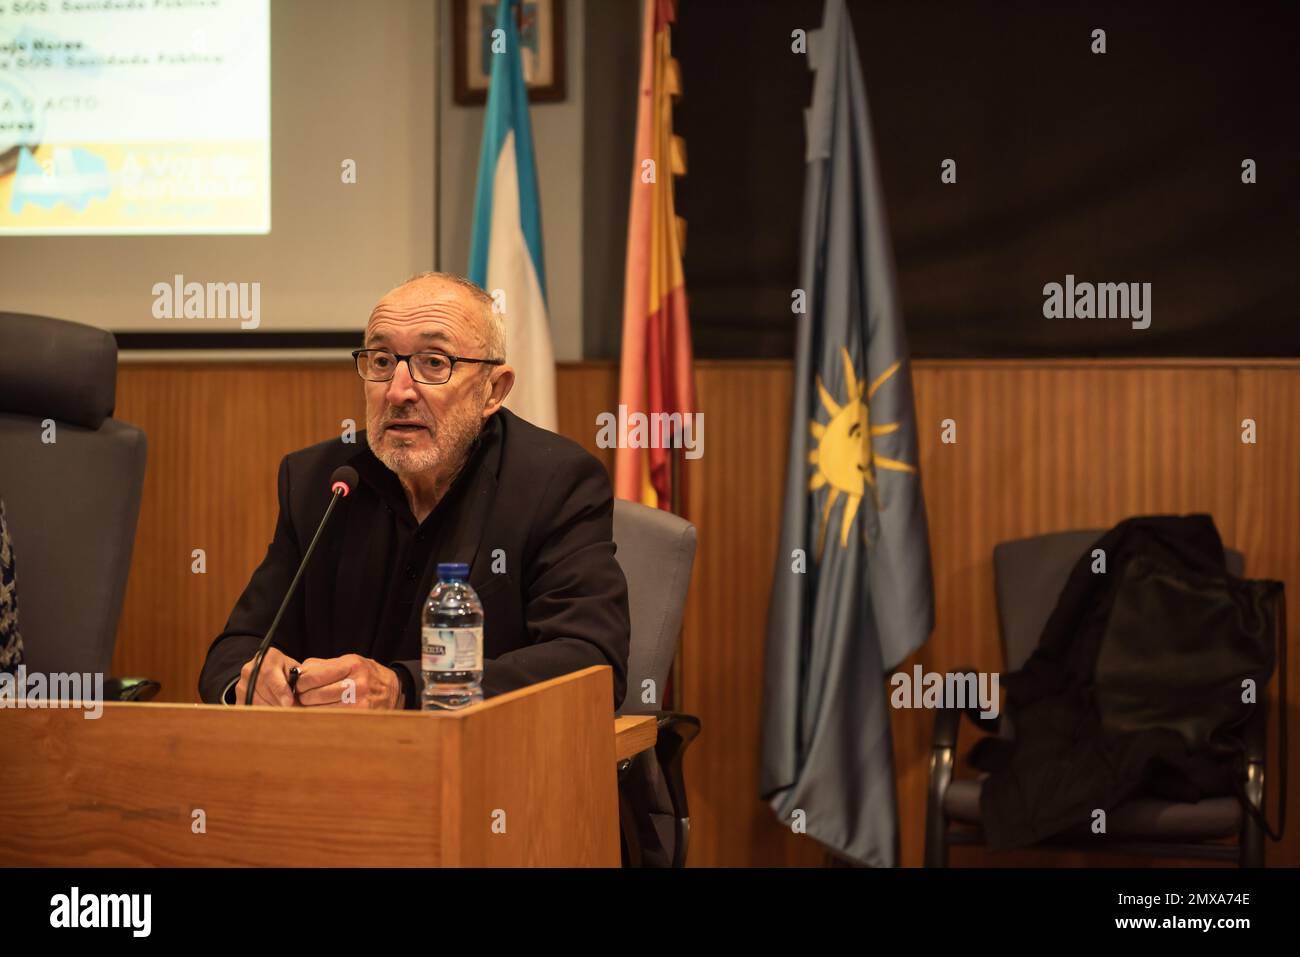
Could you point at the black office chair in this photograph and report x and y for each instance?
(71, 478)
(656, 550)
(1029, 576)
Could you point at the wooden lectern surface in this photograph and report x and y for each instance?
(633, 734)
(524, 779)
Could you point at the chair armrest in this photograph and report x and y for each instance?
(1255, 734)
(947, 720)
(947, 723)
(675, 732)
(130, 689)
(943, 751)
(1251, 789)
(992, 725)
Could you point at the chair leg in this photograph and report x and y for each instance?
(936, 822)
(676, 732)
(1251, 840)
(627, 820)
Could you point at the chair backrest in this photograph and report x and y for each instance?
(1029, 574)
(656, 550)
(71, 479)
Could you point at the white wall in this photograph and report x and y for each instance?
(348, 81)
(557, 139)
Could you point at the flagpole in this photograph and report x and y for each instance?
(675, 496)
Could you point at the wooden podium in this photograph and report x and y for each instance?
(524, 779)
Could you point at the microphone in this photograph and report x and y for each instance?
(342, 482)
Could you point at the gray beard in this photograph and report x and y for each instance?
(451, 444)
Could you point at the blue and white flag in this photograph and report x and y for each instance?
(852, 595)
(506, 251)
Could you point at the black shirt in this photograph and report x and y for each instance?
(531, 513)
(412, 559)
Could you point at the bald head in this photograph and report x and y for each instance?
(445, 299)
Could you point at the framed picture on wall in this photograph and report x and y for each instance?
(541, 35)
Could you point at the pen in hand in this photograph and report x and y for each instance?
(293, 681)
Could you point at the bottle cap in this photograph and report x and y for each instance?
(453, 571)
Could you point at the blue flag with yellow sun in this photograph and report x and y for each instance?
(852, 596)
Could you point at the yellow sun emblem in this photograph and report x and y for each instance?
(844, 458)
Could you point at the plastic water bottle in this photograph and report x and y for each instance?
(452, 642)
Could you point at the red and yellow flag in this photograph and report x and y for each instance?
(657, 374)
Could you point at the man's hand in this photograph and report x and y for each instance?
(272, 681)
(348, 682)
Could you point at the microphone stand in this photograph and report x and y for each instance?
(293, 585)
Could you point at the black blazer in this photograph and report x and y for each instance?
(531, 514)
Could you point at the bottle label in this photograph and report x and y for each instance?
(452, 649)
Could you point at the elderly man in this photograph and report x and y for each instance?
(446, 475)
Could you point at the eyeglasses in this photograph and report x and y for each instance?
(429, 368)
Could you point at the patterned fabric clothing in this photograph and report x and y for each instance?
(11, 642)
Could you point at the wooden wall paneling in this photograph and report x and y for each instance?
(1041, 446)
(1044, 447)
(736, 489)
(216, 435)
(735, 502)
(583, 391)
